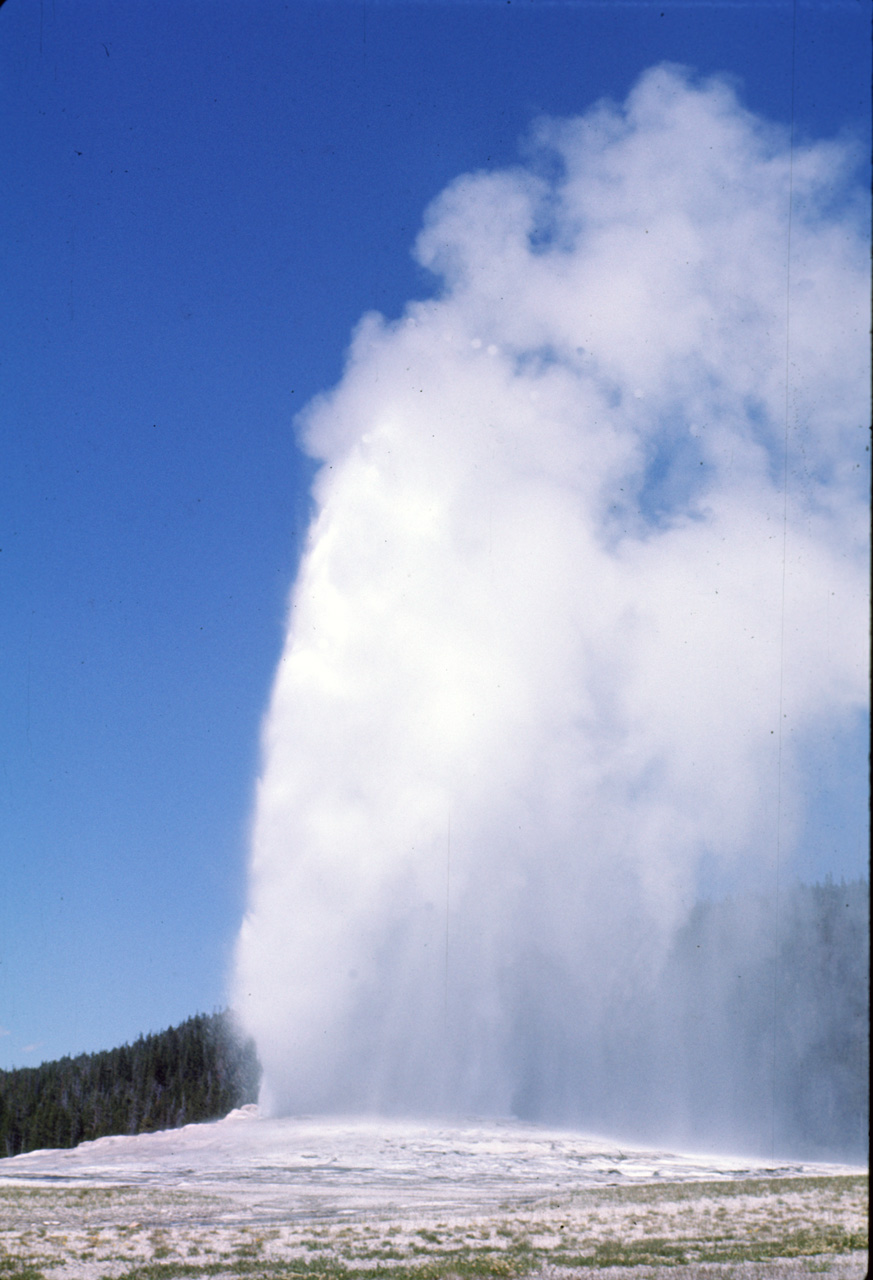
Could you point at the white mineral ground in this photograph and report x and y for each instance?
(373, 1194)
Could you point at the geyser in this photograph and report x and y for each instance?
(585, 586)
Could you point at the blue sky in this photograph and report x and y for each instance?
(200, 201)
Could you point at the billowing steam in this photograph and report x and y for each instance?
(587, 580)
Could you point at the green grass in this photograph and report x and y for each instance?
(12, 1268)
(511, 1264)
(653, 1192)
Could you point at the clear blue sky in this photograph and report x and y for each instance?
(199, 202)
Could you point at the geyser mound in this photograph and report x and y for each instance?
(586, 584)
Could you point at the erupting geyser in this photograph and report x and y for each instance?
(585, 585)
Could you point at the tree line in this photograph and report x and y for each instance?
(754, 1036)
(771, 1016)
(196, 1071)
(751, 1036)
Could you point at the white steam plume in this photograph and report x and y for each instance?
(566, 618)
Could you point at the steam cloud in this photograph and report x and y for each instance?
(560, 588)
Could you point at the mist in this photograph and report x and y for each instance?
(584, 599)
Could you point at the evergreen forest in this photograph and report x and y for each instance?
(199, 1070)
(771, 1010)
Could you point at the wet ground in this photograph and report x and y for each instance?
(305, 1197)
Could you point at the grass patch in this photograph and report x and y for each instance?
(465, 1263)
(799, 1244)
(657, 1192)
(615, 1253)
(13, 1268)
